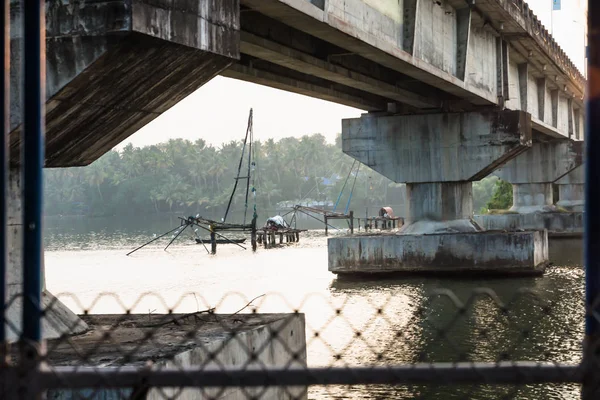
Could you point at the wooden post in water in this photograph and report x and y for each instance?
(352, 222)
(253, 234)
(213, 241)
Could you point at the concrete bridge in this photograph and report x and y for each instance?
(455, 90)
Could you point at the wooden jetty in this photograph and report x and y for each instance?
(386, 220)
(268, 236)
(327, 215)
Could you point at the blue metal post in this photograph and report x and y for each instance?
(592, 212)
(592, 174)
(32, 162)
(5, 121)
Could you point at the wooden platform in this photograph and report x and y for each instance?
(268, 237)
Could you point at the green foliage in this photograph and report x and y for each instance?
(482, 193)
(186, 177)
(502, 197)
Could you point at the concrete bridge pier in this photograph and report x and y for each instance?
(438, 156)
(58, 319)
(532, 175)
(571, 196)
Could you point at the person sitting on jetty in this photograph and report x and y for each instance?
(276, 222)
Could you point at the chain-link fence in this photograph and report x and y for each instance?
(362, 341)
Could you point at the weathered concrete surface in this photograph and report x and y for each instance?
(427, 148)
(277, 340)
(554, 222)
(456, 253)
(437, 155)
(440, 207)
(114, 66)
(533, 172)
(571, 195)
(58, 319)
(532, 197)
(446, 54)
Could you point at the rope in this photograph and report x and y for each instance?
(343, 187)
(352, 191)
(251, 131)
(314, 187)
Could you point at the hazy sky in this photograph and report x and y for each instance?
(218, 111)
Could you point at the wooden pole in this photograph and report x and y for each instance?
(351, 222)
(213, 242)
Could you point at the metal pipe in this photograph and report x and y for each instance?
(592, 175)
(4, 156)
(32, 160)
(509, 372)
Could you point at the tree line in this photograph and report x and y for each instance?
(180, 176)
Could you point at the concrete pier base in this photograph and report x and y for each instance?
(196, 340)
(477, 253)
(554, 222)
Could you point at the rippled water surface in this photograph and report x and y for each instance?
(348, 322)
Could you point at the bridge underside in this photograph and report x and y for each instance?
(114, 66)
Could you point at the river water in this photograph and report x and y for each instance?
(399, 320)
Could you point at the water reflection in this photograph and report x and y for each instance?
(348, 322)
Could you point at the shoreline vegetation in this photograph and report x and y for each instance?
(180, 176)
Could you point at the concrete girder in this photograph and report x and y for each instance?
(519, 22)
(114, 66)
(310, 19)
(283, 82)
(290, 58)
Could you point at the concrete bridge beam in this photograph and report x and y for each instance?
(114, 66)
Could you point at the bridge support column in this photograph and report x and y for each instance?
(58, 319)
(439, 207)
(533, 172)
(438, 156)
(532, 175)
(571, 190)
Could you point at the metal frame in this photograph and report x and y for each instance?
(438, 373)
(128, 377)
